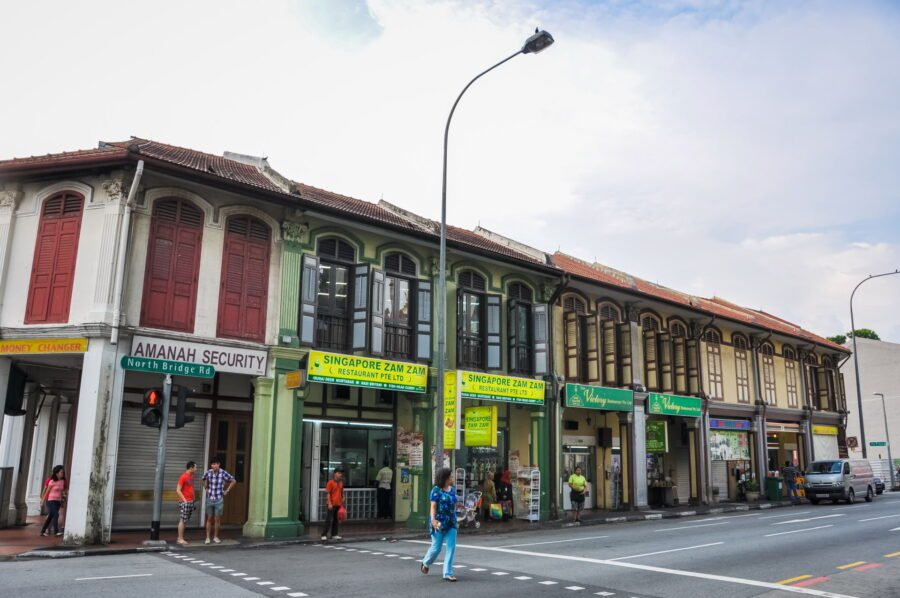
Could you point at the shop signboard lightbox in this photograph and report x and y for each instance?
(663, 404)
(43, 346)
(367, 372)
(657, 437)
(491, 387)
(728, 445)
(481, 426)
(599, 397)
(450, 425)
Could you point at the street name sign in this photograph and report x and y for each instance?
(881, 443)
(164, 366)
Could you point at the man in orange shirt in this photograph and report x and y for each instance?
(334, 495)
(185, 490)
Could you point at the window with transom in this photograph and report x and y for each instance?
(335, 291)
(790, 371)
(678, 331)
(714, 363)
(245, 279)
(520, 343)
(471, 319)
(742, 367)
(767, 354)
(399, 302)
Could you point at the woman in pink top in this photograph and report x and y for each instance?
(53, 495)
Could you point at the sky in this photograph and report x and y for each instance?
(746, 150)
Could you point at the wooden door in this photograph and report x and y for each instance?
(230, 443)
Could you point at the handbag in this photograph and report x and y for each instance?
(496, 511)
(342, 513)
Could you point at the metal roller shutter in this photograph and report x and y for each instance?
(683, 474)
(133, 506)
(720, 478)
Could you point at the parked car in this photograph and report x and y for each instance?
(879, 486)
(839, 479)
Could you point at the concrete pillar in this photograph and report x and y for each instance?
(541, 453)
(9, 201)
(423, 421)
(87, 514)
(759, 419)
(638, 453)
(32, 396)
(5, 364)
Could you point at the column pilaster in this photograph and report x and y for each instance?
(423, 421)
(294, 234)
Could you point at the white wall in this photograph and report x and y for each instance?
(879, 371)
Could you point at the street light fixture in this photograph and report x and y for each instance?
(887, 433)
(862, 426)
(538, 42)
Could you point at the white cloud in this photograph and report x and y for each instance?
(740, 149)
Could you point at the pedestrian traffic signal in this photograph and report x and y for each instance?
(183, 407)
(151, 414)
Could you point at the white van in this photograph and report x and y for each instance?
(839, 479)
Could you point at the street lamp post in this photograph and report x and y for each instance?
(887, 433)
(862, 426)
(534, 44)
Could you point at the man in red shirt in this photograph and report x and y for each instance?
(334, 496)
(185, 490)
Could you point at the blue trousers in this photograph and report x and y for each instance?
(438, 537)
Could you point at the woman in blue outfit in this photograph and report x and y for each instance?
(443, 523)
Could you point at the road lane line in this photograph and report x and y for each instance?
(793, 579)
(891, 555)
(554, 542)
(786, 515)
(877, 518)
(113, 577)
(548, 583)
(797, 531)
(851, 565)
(809, 582)
(523, 578)
(637, 556)
(867, 567)
(297, 594)
(280, 589)
(809, 519)
(895, 529)
(574, 588)
(675, 529)
(639, 567)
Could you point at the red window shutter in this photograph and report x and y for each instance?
(245, 279)
(173, 266)
(55, 255)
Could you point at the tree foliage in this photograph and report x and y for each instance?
(860, 333)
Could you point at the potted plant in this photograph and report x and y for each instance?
(715, 493)
(751, 489)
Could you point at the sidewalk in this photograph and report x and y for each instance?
(26, 542)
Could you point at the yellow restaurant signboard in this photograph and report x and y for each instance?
(451, 411)
(491, 387)
(825, 430)
(40, 346)
(351, 370)
(481, 426)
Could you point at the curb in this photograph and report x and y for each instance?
(549, 525)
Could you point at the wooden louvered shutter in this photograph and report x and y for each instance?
(541, 339)
(423, 320)
(360, 307)
(666, 378)
(679, 358)
(651, 360)
(573, 347)
(626, 374)
(376, 328)
(492, 338)
(512, 328)
(309, 289)
(693, 366)
(55, 255)
(591, 327)
(245, 280)
(610, 353)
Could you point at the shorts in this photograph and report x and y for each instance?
(185, 510)
(577, 498)
(215, 507)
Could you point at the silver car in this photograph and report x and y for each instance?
(839, 479)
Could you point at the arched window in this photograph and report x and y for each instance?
(173, 265)
(575, 304)
(713, 336)
(811, 359)
(656, 353)
(472, 315)
(790, 371)
(767, 351)
(335, 290)
(55, 254)
(650, 322)
(400, 263)
(742, 367)
(827, 362)
(581, 341)
(609, 311)
(519, 328)
(678, 329)
(245, 279)
(713, 340)
(788, 353)
(400, 272)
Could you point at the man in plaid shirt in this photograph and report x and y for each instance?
(214, 484)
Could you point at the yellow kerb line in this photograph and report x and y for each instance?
(851, 565)
(892, 555)
(785, 582)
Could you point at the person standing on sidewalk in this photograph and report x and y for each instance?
(443, 523)
(789, 473)
(214, 484)
(578, 486)
(53, 496)
(334, 497)
(384, 477)
(185, 491)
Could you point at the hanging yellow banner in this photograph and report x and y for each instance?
(481, 426)
(451, 411)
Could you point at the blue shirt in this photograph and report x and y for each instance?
(445, 512)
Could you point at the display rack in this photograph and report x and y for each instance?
(459, 481)
(527, 493)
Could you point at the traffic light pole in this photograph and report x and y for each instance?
(161, 459)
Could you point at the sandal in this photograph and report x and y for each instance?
(423, 568)
(451, 578)
(182, 542)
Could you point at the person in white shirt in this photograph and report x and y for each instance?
(384, 478)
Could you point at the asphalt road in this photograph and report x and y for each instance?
(824, 550)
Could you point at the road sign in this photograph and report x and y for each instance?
(164, 366)
(882, 443)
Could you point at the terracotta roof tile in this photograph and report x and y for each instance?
(48, 160)
(467, 237)
(354, 206)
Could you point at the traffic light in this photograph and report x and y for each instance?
(151, 414)
(183, 407)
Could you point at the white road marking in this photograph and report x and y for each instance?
(113, 577)
(226, 571)
(895, 529)
(297, 594)
(405, 558)
(456, 566)
(574, 588)
(791, 514)
(673, 529)
(280, 589)
(797, 531)
(548, 583)
(218, 567)
(877, 518)
(364, 551)
(499, 573)
(664, 570)
(555, 541)
(265, 583)
(478, 569)
(523, 578)
(637, 556)
(809, 519)
(377, 553)
(251, 579)
(604, 593)
(390, 556)
(238, 574)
